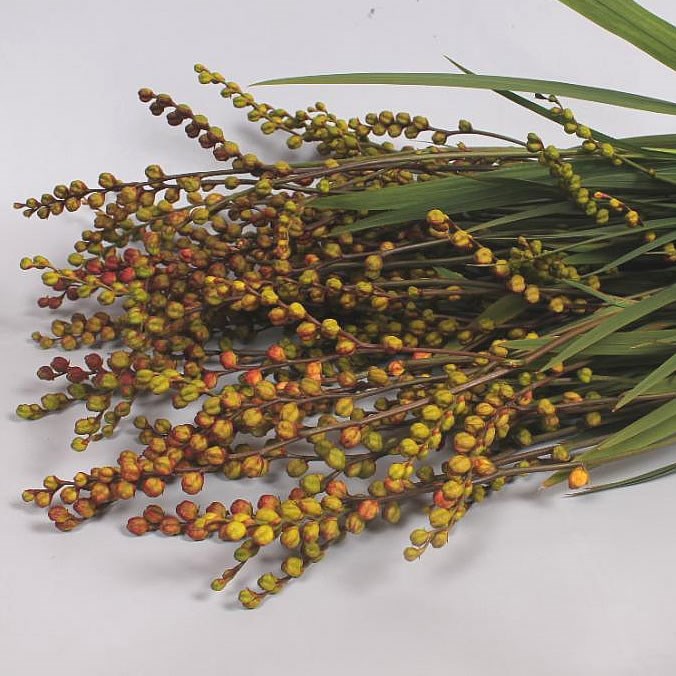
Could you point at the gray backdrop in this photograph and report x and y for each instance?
(530, 583)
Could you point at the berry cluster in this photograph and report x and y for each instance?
(396, 361)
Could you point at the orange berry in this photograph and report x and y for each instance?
(578, 478)
(192, 482)
(368, 509)
(137, 525)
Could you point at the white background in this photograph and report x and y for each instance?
(530, 584)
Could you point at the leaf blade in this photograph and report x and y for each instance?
(445, 273)
(635, 253)
(622, 344)
(544, 112)
(610, 300)
(651, 427)
(661, 373)
(493, 82)
(619, 320)
(633, 23)
(503, 309)
(547, 209)
(454, 194)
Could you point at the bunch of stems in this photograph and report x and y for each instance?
(388, 324)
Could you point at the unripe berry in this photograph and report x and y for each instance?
(293, 566)
(436, 217)
(412, 553)
(460, 464)
(263, 535)
(463, 442)
(233, 531)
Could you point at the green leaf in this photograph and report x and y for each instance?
(463, 194)
(521, 84)
(510, 96)
(445, 273)
(628, 20)
(657, 376)
(503, 309)
(638, 251)
(545, 112)
(614, 323)
(630, 481)
(559, 208)
(666, 386)
(454, 194)
(656, 425)
(629, 344)
(380, 220)
(587, 258)
(606, 298)
(657, 141)
(609, 231)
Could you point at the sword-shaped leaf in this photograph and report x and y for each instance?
(628, 20)
(657, 140)
(656, 425)
(628, 344)
(513, 185)
(445, 273)
(494, 82)
(638, 251)
(661, 373)
(606, 298)
(547, 209)
(614, 323)
(504, 309)
(545, 112)
(455, 194)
